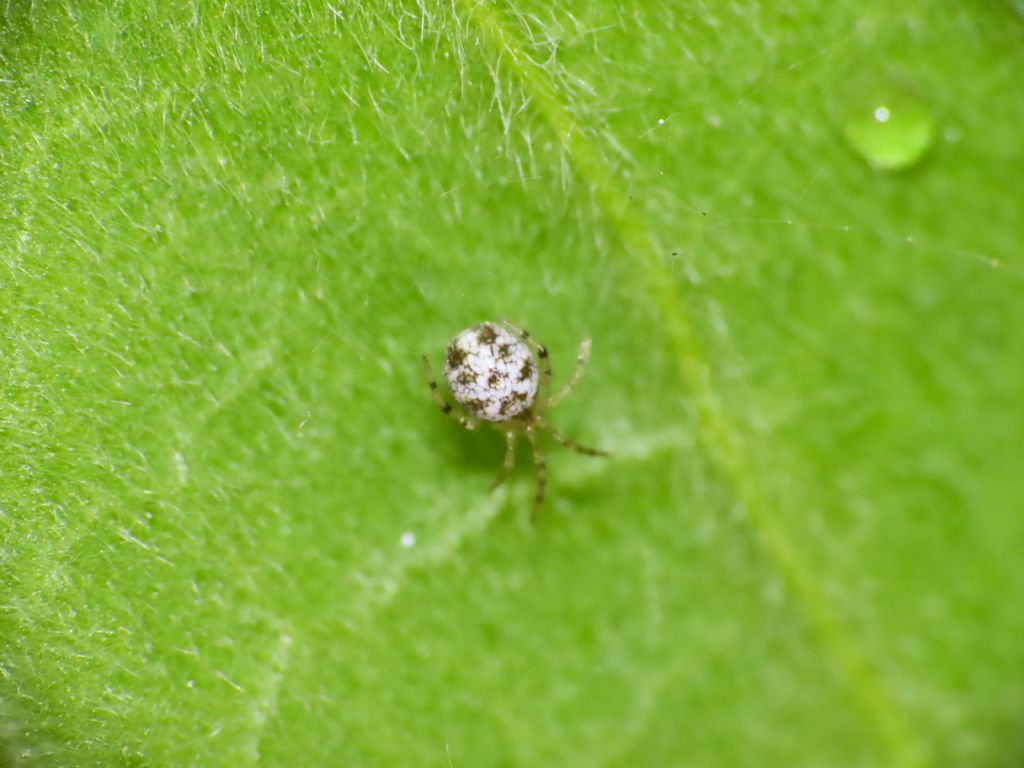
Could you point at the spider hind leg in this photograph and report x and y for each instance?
(444, 406)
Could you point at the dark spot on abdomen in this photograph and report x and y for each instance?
(456, 356)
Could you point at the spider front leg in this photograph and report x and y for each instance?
(510, 460)
(571, 444)
(542, 473)
(446, 408)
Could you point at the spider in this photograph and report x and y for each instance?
(492, 370)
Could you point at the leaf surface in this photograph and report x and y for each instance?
(236, 531)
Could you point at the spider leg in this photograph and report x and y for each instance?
(540, 349)
(582, 356)
(510, 460)
(569, 443)
(445, 407)
(542, 472)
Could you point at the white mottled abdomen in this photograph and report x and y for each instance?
(491, 372)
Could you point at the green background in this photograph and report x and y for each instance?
(229, 230)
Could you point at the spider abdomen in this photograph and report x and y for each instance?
(491, 373)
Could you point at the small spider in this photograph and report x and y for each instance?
(493, 374)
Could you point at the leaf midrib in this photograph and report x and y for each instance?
(833, 637)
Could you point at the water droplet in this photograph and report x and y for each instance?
(891, 129)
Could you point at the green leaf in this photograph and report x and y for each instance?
(236, 530)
